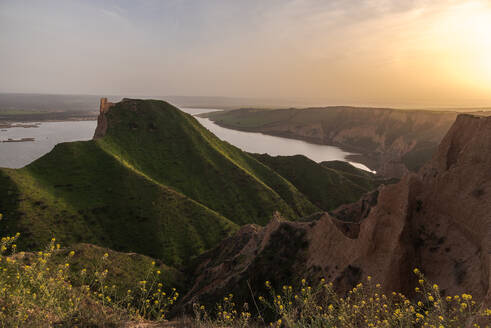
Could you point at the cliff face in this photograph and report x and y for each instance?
(390, 141)
(453, 193)
(438, 220)
(101, 128)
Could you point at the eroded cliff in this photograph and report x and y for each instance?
(390, 141)
(438, 220)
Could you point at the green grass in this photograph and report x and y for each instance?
(327, 185)
(158, 184)
(91, 197)
(125, 270)
(180, 153)
(364, 179)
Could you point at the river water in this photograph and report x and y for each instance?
(254, 142)
(47, 135)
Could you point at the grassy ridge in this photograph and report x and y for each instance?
(327, 185)
(180, 153)
(158, 184)
(79, 193)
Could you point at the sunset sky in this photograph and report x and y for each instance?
(392, 53)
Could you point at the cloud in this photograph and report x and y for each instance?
(377, 51)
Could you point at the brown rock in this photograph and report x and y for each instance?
(438, 220)
(101, 128)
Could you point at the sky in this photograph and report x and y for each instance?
(404, 53)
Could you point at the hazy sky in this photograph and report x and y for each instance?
(398, 53)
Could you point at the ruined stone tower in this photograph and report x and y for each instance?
(100, 130)
(105, 105)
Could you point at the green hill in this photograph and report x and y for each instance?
(328, 184)
(79, 193)
(156, 183)
(180, 153)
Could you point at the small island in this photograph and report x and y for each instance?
(19, 140)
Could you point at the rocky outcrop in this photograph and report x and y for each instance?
(356, 212)
(453, 200)
(383, 137)
(101, 128)
(438, 220)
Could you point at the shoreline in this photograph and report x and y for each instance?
(357, 155)
(7, 124)
(19, 140)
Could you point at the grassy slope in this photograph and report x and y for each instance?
(177, 195)
(328, 184)
(364, 179)
(125, 270)
(180, 153)
(88, 196)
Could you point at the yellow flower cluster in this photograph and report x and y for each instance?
(365, 305)
(36, 291)
(30, 282)
(228, 315)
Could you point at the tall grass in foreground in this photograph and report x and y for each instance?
(36, 291)
(364, 306)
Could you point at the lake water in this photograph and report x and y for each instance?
(47, 135)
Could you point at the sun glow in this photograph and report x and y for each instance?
(482, 33)
(466, 34)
